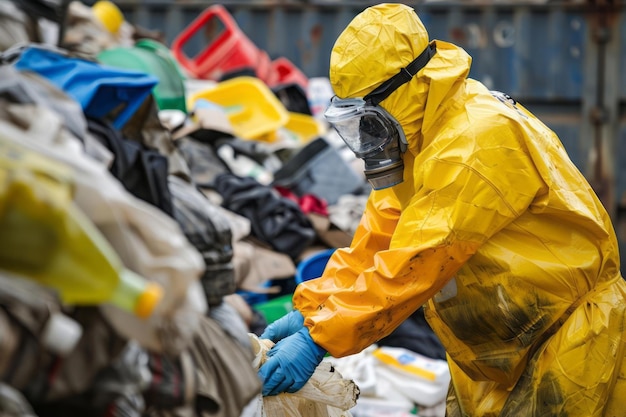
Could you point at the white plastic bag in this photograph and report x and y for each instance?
(326, 394)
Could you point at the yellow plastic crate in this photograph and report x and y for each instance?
(252, 108)
(304, 126)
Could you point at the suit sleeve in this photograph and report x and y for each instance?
(405, 251)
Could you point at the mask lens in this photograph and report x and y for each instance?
(349, 132)
(373, 133)
(364, 133)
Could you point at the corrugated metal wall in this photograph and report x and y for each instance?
(504, 40)
(566, 62)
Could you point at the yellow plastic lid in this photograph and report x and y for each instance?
(109, 15)
(148, 300)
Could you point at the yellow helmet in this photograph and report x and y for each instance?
(107, 13)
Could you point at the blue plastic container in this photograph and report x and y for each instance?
(253, 297)
(101, 91)
(313, 266)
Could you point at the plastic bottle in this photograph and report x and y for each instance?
(412, 363)
(243, 166)
(319, 92)
(59, 333)
(45, 237)
(422, 379)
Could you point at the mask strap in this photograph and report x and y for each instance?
(385, 89)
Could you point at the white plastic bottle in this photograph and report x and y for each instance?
(422, 379)
(319, 93)
(414, 364)
(61, 334)
(243, 166)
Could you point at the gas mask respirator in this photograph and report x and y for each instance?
(371, 132)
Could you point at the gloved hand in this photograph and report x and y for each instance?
(284, 326)
(290, 363)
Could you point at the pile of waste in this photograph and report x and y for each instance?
(157, 211)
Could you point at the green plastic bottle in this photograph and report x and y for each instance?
(45, 237)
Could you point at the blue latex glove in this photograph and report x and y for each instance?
(284, 326)
(290, 363)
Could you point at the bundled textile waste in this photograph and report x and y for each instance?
(149, 216)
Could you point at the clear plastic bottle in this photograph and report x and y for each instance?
(45, 237)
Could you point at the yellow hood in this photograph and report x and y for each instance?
(377, 45)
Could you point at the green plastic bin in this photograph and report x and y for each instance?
(154, 59)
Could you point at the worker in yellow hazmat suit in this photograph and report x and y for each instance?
(478, 214)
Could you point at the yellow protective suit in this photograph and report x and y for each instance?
(494, 230)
